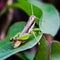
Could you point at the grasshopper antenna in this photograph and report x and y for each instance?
(32, 9)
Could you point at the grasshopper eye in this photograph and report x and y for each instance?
(13, 39)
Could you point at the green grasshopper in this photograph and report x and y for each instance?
(23, 36)
(29, 29)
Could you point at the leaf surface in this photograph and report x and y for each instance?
(50, 19)
(6, 47)
(42, 50)
(55, 50)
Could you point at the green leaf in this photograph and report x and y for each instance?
(50, 19)
(42, 50)
(26, 7)
(6, 47)
(21, 56)
(55, 51)
(29, 55)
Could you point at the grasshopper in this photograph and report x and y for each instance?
(29, 29)
(24, 35)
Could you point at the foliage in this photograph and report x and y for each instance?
(50, 19)
(48, 22)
